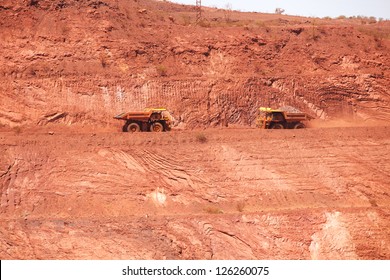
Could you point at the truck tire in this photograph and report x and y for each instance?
(133, 127)
(299, 126)
(277, 126)
(156, 127)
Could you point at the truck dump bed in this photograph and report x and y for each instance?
(296, 116)
(138, 116)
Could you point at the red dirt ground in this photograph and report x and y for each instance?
(72, 186)
(320, 193)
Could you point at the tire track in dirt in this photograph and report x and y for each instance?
(237, 196)
(179, 177)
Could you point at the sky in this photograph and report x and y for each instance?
(310, 8)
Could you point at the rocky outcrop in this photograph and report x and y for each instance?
(86, 61)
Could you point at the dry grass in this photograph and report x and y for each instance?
(17, 129)
(213, 210)
(240, 206)
(201, 138)
(162, 70)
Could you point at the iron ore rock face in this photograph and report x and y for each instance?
(73, 186)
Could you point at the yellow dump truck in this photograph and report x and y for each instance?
(280, 119)
(150, 119)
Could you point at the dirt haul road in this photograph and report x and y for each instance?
(320, 193)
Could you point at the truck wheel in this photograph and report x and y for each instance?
(157, 127)
(133, 127)
(299, 126)
(277, 126)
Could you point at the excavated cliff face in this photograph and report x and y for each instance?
(85, 61)
(92, 192)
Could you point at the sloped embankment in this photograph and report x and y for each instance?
(241, 194)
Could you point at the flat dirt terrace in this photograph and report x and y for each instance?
(319, 193)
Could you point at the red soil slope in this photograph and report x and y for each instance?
(85, 61)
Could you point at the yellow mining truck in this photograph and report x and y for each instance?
(280, 119)
(150, 119)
